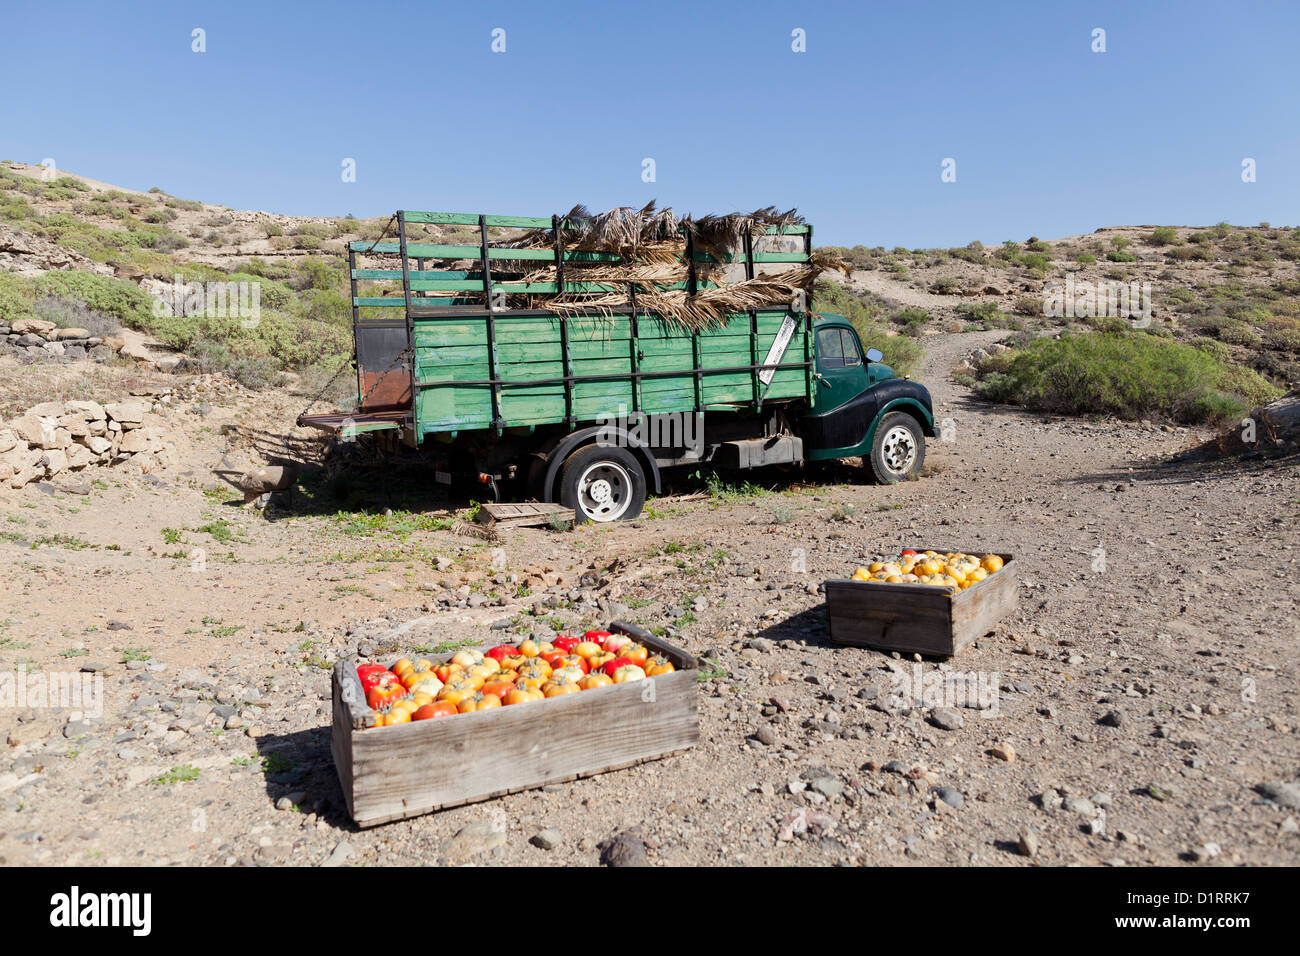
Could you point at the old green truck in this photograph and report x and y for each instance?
(460, 351)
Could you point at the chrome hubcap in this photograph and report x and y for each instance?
(899, 450)
(605, 491)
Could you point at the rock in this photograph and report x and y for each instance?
(339, 855)
(127, 413)
(54, 461)
(945, 718)
(951, 796)
(1280, 793)
(1078, 805)
(1113, 718)
(96, 444)
(1027, 842)
(762, 645)
(625, 849)
(765, 735)
(74, 353)
(1004, 751)
(828, 786)
(73, 333)
(473, 839)
(1205, 852)
(547, 839)
(54, 348)
(32, 326)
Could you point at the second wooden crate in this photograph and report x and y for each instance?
(918, 618)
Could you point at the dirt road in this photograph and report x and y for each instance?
(1148, 681)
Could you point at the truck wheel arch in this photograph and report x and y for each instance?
(567, 445)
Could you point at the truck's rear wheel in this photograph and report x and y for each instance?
(602, 483)
(898, 452)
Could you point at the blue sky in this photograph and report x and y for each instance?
(1049, 138)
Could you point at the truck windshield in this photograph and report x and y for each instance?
(837, 349)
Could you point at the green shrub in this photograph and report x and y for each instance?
(16, 297)
(945, 286)
(1128, 375)
(1238, 333)
(1284, 340)
(1163, 236)
(116, 297)
(1085, 258)
(1121, 256)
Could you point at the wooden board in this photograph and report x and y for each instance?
(917, 618)
(391, 773)
(527, 514)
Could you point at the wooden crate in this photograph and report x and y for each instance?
(390, 773)
(526, 514)
(918, 618)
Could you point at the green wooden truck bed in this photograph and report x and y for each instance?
(477, 367)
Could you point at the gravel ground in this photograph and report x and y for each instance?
(1147, 682)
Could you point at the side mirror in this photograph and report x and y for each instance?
(874, 355)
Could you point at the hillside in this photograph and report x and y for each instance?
(1230, 293)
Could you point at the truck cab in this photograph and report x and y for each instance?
(861, 408)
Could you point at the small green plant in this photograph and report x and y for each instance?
(182, 774)
(171, 535)
(129, 654)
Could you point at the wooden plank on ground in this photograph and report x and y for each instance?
(512, 515)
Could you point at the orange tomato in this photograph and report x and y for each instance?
(444, 671)
(658, 665)
(455, 695)
(595, 679)
(597, 661)
(571, 660)
(442, 708)
(587, 648)
(560, 688)
(478, 702)
(636, 653)
(523, 695)
(530, 649)
(513, 661)
(531, 679)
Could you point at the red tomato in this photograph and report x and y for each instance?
(616, 663)
(380, 697)
(565, 643)
(501, 651)
(598, 637)
(552, 656)
(906, 552)
(499, 688)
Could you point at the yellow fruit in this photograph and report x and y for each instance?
(991, 563)
(895, 579)
(876, 566)
(955, 572)
(979, 574)
(861, 574)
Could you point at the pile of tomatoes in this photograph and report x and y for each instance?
(953, 569)
(473, 680)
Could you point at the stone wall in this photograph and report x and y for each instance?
(56, 437)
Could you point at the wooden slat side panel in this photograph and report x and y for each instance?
(887, 620)
(977, 610)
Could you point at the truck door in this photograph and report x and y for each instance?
(841, 374)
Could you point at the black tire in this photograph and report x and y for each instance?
(602, 474)
(898, 451)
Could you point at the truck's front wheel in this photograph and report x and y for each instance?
(602, 483)
(898, 452)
